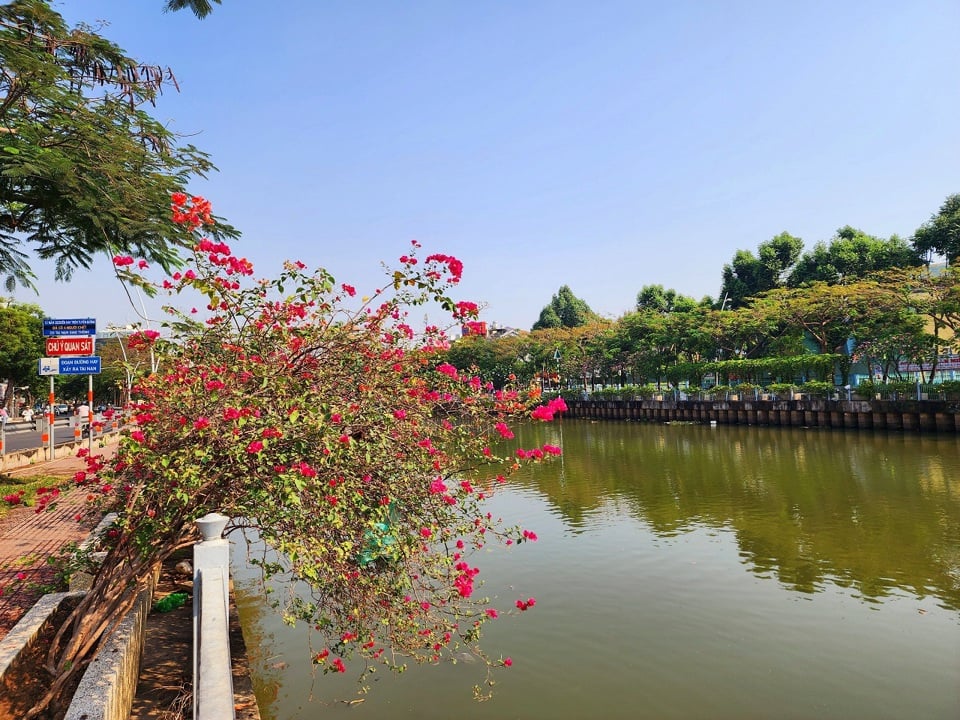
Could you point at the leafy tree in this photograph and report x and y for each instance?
(21, 346)
(654, 298)
(565, 310)
(200, 8)
(748, 275)
(941, 233)
(851, 255)
(935, 298)
(84, 169)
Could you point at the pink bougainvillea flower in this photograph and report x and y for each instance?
(504, 431)
(200, 423)
(447, 369)
(306, 470)
(542, 412)
(255, 447)
(464, 309)
(400, 414)
(530, 535)
(507, 662)
(122, 260)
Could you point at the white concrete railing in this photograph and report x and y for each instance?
(212, 670)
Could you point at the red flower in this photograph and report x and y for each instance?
(464, 309)
(447, 369)
(201, 423)
(255, 447)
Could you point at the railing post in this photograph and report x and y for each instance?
(212, 678)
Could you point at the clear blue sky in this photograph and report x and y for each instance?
(605, 145)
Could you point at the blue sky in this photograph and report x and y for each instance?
(604, 145)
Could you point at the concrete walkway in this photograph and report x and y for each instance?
(28, 538)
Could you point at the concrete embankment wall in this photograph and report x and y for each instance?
(905, 415)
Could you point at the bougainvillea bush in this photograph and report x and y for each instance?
(321, 420)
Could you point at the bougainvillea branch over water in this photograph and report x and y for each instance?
(332, 429)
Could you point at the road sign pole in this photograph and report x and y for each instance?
(90, 413)
(50, 419)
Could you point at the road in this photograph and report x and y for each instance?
(19, 435)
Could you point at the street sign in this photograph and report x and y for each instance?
(73, 327)
(69, 346)
(80, 365)
(70, 365)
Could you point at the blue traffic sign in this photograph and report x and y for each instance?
(76, 326)
(83, 365)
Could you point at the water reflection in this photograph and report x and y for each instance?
(689, 572)
(878, 513)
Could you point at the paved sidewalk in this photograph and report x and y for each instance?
(28, 538)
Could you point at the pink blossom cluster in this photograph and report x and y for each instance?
(546, 412)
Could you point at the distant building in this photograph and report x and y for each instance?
(493, 331)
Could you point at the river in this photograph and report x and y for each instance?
(688, 571)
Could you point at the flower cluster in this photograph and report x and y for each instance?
(15, 498)
(359, 456)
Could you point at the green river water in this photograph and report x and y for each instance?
(689, 571)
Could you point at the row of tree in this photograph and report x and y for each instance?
(907, 314)
(782, 263)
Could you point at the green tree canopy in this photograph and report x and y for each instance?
(565, 310)
(748, 275)
(84, 170)
(851, 255)
(21, 344)
(200, 8)
(941, 233)
(655, 299)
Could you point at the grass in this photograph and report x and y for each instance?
(28, 486)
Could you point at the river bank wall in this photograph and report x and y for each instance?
(928, 416)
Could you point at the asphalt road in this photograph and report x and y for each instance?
(19, 435)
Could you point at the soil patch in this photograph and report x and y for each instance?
(26, 680)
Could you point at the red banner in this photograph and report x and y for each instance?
(69, 346)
